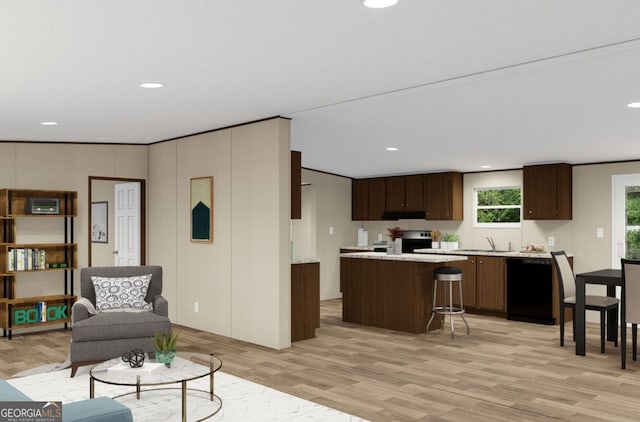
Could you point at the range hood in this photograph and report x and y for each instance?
(403, 215)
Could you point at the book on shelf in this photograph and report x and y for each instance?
(25, 259)
(19, 259)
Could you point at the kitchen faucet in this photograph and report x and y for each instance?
(491, 242)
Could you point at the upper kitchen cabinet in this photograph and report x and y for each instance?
(296, 185)
(359, 199)
(377, 195)
(405, 193)
(547, 192)
(368, 198)
(443, 196)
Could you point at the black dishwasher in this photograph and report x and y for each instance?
(530, 290)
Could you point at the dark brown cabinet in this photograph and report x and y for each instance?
(296, 185)
(305, 300)
(368, 198)
(405, 193)
(395, 194)
(439, 195)
(396, 295)
(490, 285)
(469, 293)
(547, 192)
(443, 196)
(468, 268)
(359, 199)
(377, 198)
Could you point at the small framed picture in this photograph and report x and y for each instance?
(202, 209)
(100, 222)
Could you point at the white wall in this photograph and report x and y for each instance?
(326, 203)
(62, 167)
(102, 253)
(241, 280)
(260, 265)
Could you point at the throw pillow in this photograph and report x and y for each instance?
(122, 293)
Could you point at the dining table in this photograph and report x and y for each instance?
(611, 278)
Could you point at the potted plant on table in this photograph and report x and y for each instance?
(165, 347)
(449, 241)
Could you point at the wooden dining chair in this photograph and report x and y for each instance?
(567, 296)
(630, 307)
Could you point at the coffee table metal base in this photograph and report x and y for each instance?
(217, 401)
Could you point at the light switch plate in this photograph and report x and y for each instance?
(551, 241)
(600, 233)
(331, 230)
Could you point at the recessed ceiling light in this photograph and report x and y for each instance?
(378, 4)
(49, 123)
(634, 105)
(151, 85)
(485, 167)
(391, 149)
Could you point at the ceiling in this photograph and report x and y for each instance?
(453, 84)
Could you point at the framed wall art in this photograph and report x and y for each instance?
(100, 222)
(202, 209)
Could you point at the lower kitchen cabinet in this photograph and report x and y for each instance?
(483, 284)
(468, 268)
(490, 286)
(469, 294)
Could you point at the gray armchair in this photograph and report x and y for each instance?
(97, 336)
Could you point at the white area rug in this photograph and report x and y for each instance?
(242, 400)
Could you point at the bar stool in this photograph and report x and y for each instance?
(448, 276)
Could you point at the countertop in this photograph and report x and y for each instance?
(514, 254)
(304, 260)
(466, 252)
(360, 248)
(415, 257)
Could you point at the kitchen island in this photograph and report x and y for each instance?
(390, 291)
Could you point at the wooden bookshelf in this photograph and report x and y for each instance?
(20, 258)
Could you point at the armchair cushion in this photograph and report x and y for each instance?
(122, 293)
(88, 291)
(119, 325)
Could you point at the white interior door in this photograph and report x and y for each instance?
(127, 218)
(625, 213)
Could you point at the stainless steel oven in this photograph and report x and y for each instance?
(415, 239)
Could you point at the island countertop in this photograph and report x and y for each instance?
(506, 254)
(304, 260)
(411, 257)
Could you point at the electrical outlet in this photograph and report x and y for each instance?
(330, 230)
(196, 307)
(551, 241)
(599, 232)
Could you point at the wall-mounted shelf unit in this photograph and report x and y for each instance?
(21, 259)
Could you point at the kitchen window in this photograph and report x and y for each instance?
(497, 207)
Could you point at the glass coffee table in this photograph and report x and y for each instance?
(185, 368)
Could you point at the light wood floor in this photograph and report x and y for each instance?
(503, 371)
